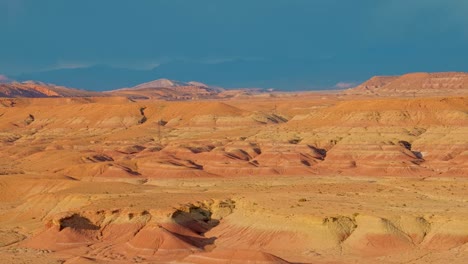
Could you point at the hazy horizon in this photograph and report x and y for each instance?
(288, 45)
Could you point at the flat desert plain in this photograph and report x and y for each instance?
(270, 178)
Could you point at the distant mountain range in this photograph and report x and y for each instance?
(412, 84)
(166, 83)
(32, 89)
(169, 90)
(163, 89)
(284, 75)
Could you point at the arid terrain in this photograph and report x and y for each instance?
(192, 174)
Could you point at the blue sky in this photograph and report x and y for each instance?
(301, 43)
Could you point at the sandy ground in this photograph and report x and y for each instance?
(289, 217)
(315, 179)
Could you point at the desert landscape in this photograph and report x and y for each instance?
(174, 172)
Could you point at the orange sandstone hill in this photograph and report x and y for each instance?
(413, 84)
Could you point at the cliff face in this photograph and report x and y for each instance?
(443, 83)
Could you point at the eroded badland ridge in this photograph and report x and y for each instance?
(426, 84)
(364, 176)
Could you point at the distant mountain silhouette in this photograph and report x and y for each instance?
(291, 74)
(166, 89)
(97, 78)
(163, 83)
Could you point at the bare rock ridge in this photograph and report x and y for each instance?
(32, 89)
(413, 84)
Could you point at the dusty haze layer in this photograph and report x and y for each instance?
(265, 178)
